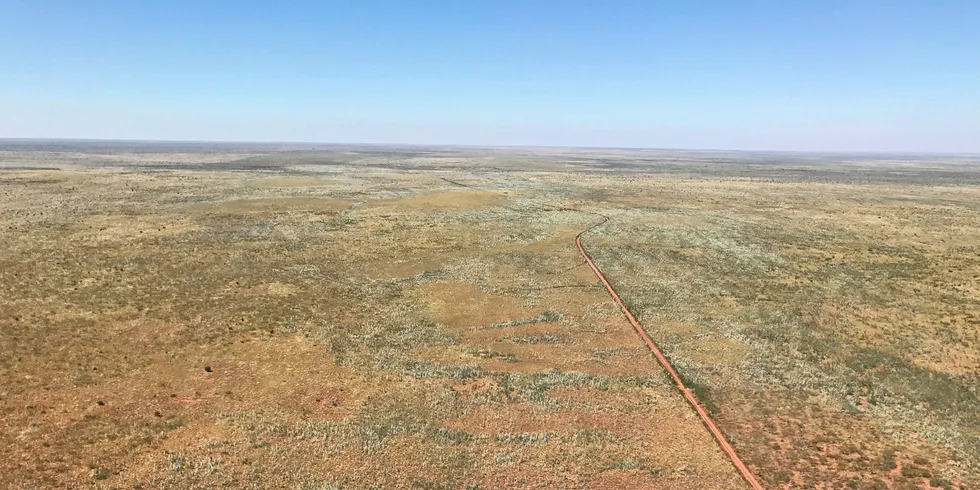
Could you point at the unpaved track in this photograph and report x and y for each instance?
(662, 359)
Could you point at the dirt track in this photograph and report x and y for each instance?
(662, 359)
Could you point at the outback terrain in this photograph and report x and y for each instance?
(325, 317)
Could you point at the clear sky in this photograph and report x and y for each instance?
(740, 74)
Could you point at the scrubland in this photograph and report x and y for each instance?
(376, 317)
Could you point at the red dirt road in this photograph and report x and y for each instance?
(662, 359)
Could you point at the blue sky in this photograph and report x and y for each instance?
(778, 75)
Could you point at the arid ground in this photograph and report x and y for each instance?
(214, 316)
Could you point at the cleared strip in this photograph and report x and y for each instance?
(662, 359)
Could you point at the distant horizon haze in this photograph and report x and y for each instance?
(834, 76)
(76, 143)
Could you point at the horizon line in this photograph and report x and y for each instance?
(480, 146)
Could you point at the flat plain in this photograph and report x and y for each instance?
(207, 316)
